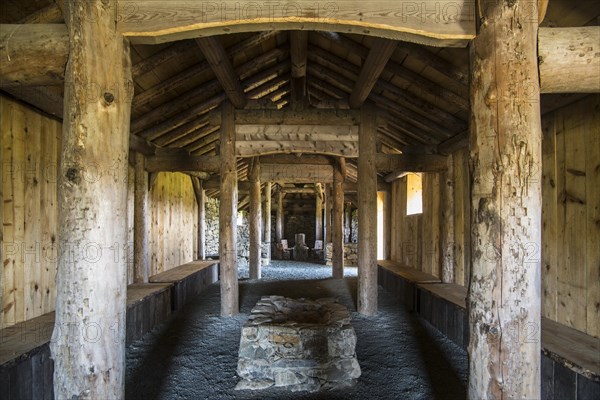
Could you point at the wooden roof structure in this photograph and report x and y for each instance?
(421, 91)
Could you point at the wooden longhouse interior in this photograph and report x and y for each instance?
(440, 156)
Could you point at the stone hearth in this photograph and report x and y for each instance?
(298, 344)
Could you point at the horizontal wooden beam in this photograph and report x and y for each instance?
(215, 184)
(210, 164)
(152, 22)
(411, 162)
(456, 142)
(569, 61)
(292, 173)
(304, 190)
(263, 147)
(291, 117)
(33, 54)
(296, 159)
(297, 132)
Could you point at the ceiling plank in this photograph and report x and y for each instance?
(380, 53)
(223, 69)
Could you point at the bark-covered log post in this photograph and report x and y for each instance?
(267, 221)
(141, 262)
(348, 223)
(228, 214)
(201, 202)
(505, 156)
(279, 216)
(447, 195)
(337, 225)
(367, 212)
(318, 212)
(255, 220)
(88, 344)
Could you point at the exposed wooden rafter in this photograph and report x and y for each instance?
(223, 69)
(378, 56)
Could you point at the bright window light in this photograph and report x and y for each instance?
(414, 194)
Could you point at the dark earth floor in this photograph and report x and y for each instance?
(194, 354)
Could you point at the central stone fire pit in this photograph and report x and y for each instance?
(299, 344)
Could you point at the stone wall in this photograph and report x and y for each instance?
(354, 224)
(350, 254)
(212, 233)
(294, 224)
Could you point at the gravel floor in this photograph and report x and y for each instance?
(194, 354)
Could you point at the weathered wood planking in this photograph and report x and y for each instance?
(549, 220)
(30, 159)
(173, 222)
(158, 22)
(570, 255)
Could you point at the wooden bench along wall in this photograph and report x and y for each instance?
(570, 359)
(26, 370)
(188, 280)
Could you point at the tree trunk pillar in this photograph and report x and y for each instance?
(505, 155)
(318, 212)
(348, 223)
(448, 244)
(228, 214)
(88, 345)
(140, 222)
(201, 201)
(279, 217)
(267, 221)
(367, 212)
(255, 221)
(337, 234)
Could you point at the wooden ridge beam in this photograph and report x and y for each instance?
(223, 69)
(295, 159)
(378, 56)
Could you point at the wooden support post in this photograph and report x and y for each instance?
(2, 270)
(198, 186)
(367, 213)
(141, 262)
(447, 195)
(348, 223)
(505, 146)
(255, 220)
(267, 220)
(88, 345)
(228, 214)
(328, 206)
(337, 234)
(279, 217)
(318, 211)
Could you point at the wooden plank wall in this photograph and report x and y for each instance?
(173, 222)
(416, 239)
(571, 215)
(30, 154)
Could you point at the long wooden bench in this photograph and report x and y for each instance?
(188, 280)
(397, 278)
(25, 365)
(570, 359)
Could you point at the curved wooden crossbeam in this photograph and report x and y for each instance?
(441, 23)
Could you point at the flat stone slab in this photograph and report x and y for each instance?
(299, 344)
